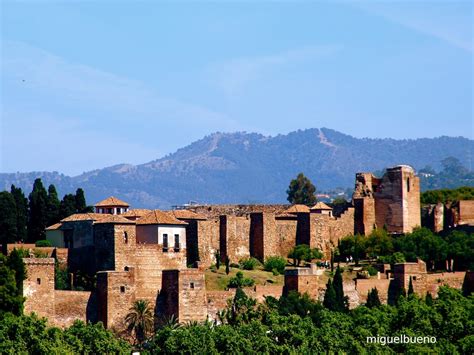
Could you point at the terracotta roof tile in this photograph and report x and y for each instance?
(96, 217)
(297, 209)
(136, 212)
(54, 226)
(159, 217)
(83, 217)
(110, 218)
(111, 201)
(321, 206)
(186, 214)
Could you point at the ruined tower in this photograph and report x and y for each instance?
(391, 202)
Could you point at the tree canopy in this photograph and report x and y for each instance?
(301, 191)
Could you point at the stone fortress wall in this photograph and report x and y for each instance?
(128, 270)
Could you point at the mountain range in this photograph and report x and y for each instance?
(250, 168)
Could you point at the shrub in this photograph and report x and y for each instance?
(371, 270)
(235, 266)
(277, 263)
(239, 281)
(249, 263)
(43, 243)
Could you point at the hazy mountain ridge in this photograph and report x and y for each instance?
(249, 167)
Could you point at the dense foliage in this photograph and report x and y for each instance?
(31, 335)
(303, 252)
(432, 248)
(301, 191)
(12, 274)
(275, 264)
(297, 324)
(25, 219)
(447, 195)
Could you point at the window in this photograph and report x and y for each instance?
(125, 237)
(110, 211)
(165, 242)
(126, 268)
(414, 278)
(38, 281)
(176, 242)
(191, 285)
(119, 210)
(122, 289)
(408, 185)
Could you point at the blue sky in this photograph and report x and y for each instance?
(95, 83)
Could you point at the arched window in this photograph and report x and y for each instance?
(125, 237)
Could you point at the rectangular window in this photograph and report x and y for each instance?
(122, 289)
(165, 242)
(38, 281)
(191, 285)
(176, 242)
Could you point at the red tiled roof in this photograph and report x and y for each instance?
(159, 217)
(111, 201)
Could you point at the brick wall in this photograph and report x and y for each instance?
(466, 212)
(234, 238)
(208, 241)
(72, 305)
(115, 295)
(184, 293)
(363, 286)
(214, 211)
(38, 287)
(285, 234)
(302, 280)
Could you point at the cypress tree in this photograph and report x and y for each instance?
(52, 206)
(67, 206)
(21, 212)
(330, 298)
(80, 201)
(410, 288)
(38, 212)
(373, 299)
(338, 288)
(227, 266)
(8, 220)
(429, 299)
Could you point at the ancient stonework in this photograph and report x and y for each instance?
(391, 202)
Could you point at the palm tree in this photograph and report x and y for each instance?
(140, 320)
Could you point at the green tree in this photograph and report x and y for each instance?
(301, 191)
(15, 262)
(11, 300)
(8, 220)
(341, 300)
(373, 299)
(67, 206)
(140, 320)
(37, 212)
(80, 202)
(218, 259)
(239, 281)
(302, 252)
(21, 203)
(227, 266)
(330, 297)
(52, 206)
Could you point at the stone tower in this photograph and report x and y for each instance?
(391, 202)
